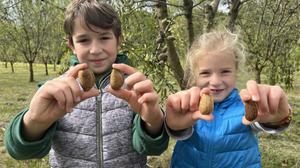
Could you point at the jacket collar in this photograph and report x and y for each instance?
(229, 100)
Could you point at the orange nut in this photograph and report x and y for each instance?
(206, 105)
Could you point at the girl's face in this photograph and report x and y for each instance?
(97, 48)
(217, 71)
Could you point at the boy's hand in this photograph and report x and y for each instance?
(53, 100)
(272, 102)
(182, 109)
(141, 96)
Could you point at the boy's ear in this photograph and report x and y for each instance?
(120, 40)
(70, 45)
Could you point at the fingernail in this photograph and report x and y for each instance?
(255, 98)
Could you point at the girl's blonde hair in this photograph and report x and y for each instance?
(217, 40)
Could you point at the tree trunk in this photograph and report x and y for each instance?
(173, 58)
(31, 74)
(54, 66)
(46, 69)
(12, 67)
(210, 13)
(257, 76)
(188, 9)
(233, 14)
(5, 64)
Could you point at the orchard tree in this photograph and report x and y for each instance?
(27, 24)
(271, 31)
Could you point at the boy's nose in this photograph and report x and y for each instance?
(95, 48)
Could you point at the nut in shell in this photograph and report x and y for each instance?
(86, 79)
(251, 110)
(116, 79)
(206, 105)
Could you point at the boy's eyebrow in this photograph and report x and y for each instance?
(101, 33)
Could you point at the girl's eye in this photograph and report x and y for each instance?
(82, 40)
(226, 71)
(204, 74)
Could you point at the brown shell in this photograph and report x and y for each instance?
(86, 79)
(206, 104)
(116, 79)
(251, 110)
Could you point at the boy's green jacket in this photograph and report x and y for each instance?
(21, 149)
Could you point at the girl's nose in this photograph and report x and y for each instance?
(215, 79)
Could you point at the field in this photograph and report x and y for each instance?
(278, 151)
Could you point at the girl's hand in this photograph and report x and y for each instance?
(182, 109)
(53, 100)
(141, 96)
(272, 102)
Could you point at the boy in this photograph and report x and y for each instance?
(97, 128)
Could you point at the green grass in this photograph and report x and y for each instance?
(16, 91)
(278, 151)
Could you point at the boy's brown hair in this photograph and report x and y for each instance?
(91, 12)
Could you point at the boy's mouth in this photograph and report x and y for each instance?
(97, 61)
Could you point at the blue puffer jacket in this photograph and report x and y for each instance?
(223, 142)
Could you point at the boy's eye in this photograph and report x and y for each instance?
(105, 38)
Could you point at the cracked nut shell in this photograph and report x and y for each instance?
(116, 79)
(86, 79)
(251, 110)
(206, 104)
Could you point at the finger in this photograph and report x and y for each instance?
(124, 68)
(148, 98)
(245, 96)
(173, 104)
(134, 78)
(195, 98)
(245, 121)
(197, 115)
(75, 87)
(263, 103)
(205, 91)
(121, 93)
(274, 98)
(253, 90)
(69, 98)
(91, 93)
(185, 101)
(55, 92)
(143, 86)
(73, 72)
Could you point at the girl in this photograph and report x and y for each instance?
(224, 138)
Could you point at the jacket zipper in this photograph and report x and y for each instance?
(211, 143)
(99, 138)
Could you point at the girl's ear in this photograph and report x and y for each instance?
(71, 45)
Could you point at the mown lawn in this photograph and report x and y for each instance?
(278, 151)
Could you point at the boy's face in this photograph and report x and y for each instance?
(217, 71)
(97, 48)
